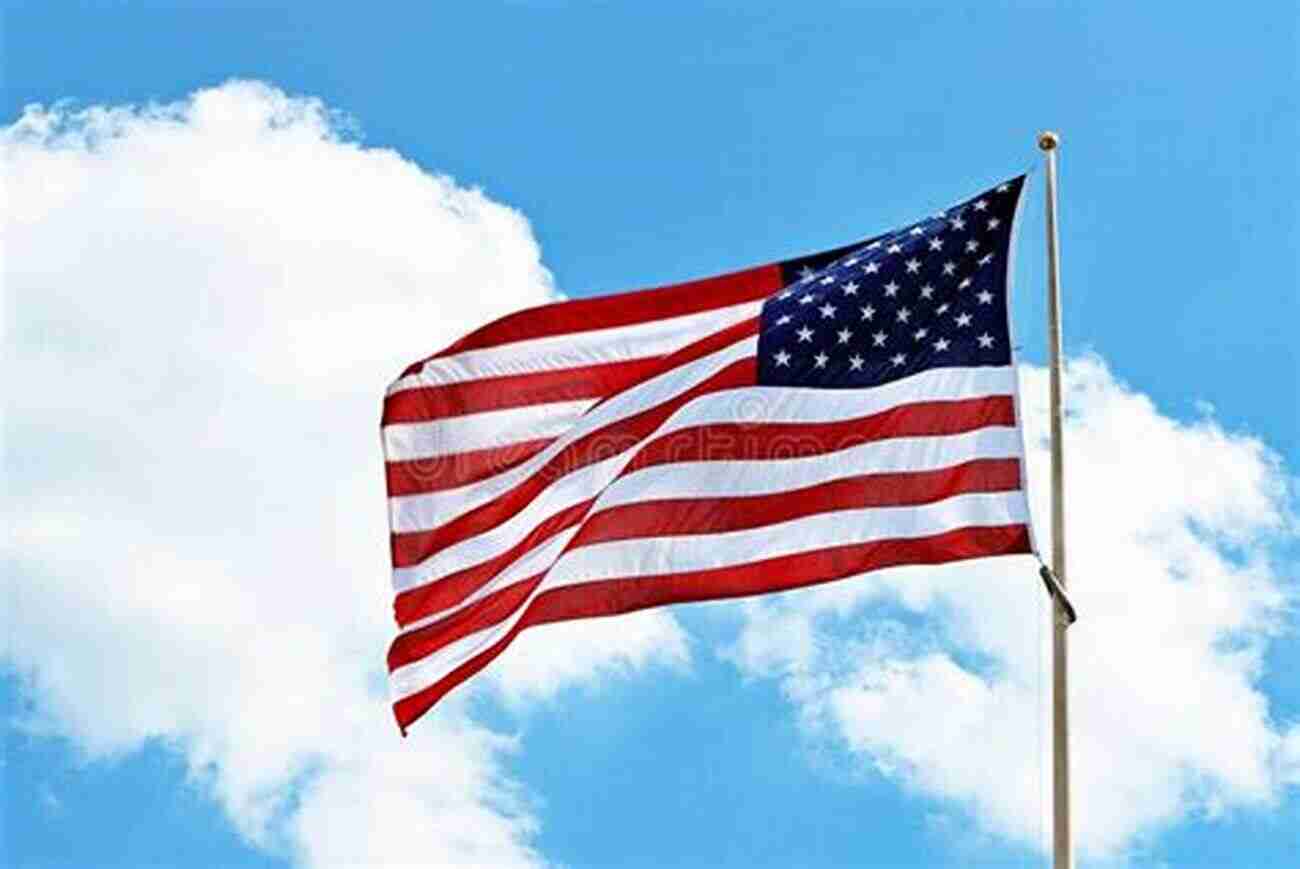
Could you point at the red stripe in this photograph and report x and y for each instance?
(759, 441)
(410, 548)
(516, 390)
(489, 610)
(620, 309)
(680, 516)
(436, 473)
(789, 440)
(416, 603)
(611, 597)
(666, 518)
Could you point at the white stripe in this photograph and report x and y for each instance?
(530, 564)
(791, 404)
(649, 557)
(710, 480)
(407, 441)
(722, 478)
(615, 344)
(645, 556)
(759, 404)
(429, 510)
(568, 490)
(719, 479)
(728, 479)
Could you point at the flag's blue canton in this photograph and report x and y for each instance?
(930, 295)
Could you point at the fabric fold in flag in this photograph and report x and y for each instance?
(773, 428)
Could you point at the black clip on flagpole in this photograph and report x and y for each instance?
(1058, 594)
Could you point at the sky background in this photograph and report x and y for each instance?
(230, 281)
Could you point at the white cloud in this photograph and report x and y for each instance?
(1289, 756)
(1171, 525)
(538, 663)
(206, 300)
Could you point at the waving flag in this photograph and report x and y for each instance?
(767, 429)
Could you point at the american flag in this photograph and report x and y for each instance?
(771, 428)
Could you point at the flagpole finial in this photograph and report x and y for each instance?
(1047, 140)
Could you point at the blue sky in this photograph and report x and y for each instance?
(645, 148)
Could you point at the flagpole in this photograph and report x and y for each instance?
(1062, 841)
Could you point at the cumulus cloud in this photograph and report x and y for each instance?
(939, 678)
(1290, 756)
(206, 300)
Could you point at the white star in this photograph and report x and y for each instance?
(782, 358)
(986, 340)
(972, 246)
(806, 272)
(851, 262)
(828, 280)
(871, 268)
(904, 315)
(965, 282)
(820, 360)
(913, 266)
(828, 310)
(942, 308)
(985, 297)
(963, 319)
(941, 345)
(784, 294)
(845, 335)
(855, 362)
(878, 339)
(920, 333)
(1003, 188)
(805, 300)
(949, 268)
(916, 230)
(927, 291)
(898, 359)
(850, 289)
(805, 334)
(936, 243)
(958, 223)
(981, 205)
(891, 289)
(868, 312)
(994, 223)
(783, 319)
(986, 259)
(873, 245)
(895, 248)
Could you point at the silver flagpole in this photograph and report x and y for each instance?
(1062, 842)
